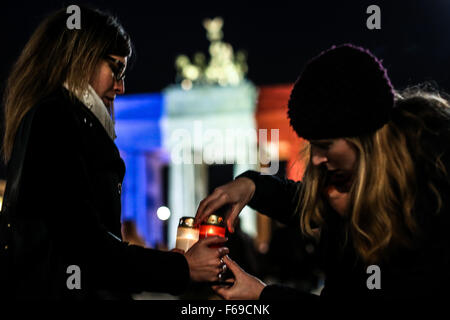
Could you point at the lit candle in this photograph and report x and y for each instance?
(187, 234)
(213, 226)
(209, 230)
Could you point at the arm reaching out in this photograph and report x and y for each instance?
(236, 194)
(270, 195)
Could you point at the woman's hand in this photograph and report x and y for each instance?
(245, 286)
(236, 193)
(205, 263)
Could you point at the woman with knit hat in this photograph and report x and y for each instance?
(375, 192)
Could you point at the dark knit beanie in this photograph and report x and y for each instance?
(343, 92)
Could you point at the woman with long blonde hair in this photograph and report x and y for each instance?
(375, 192)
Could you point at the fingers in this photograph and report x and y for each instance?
(231, 217)
(221, 268)
(235, 269)
(245, 286)
(230, 225)
(225, 291)
(227, 283)
(218, 269)
(213, 202)
(213, 205)
(201, 215)
(223, 252)
(222, 291)
(215, 240)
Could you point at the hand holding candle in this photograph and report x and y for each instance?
(205, 263)
(188, 234)
(204, 247)
(213, 226)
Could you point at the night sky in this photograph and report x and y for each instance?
(279, 37)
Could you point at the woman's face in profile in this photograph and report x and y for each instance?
(104, 82)
(337, 155)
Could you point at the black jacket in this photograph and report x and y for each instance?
(416, 273)
(68, 210)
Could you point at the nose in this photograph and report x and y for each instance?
(119, 86)
(318, 157)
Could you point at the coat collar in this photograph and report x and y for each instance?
(93, 102)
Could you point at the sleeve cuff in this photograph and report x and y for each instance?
(254, 176)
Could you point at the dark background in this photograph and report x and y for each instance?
(279, 37)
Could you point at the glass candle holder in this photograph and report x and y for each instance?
(213, 226)
(187, 234)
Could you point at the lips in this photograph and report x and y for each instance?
(340, 179)
(108, 101)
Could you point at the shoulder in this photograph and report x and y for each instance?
(59, 111)
(54, 118)
(56, 105)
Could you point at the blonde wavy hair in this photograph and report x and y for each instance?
(391, 165)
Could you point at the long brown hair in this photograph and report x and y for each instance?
(55, 54)
(391, 164)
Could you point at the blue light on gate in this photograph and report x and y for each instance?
(138, 131)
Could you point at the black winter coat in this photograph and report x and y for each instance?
(68, 213)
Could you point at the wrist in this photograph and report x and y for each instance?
(250, 177)
(260, 287)
(249, 185)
